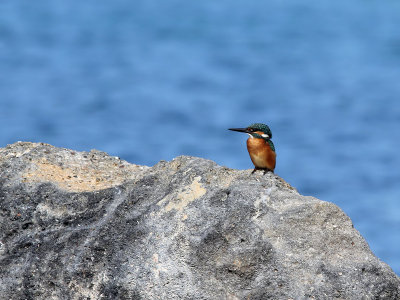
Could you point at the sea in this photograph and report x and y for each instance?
(150, 80)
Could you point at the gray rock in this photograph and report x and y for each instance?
(78, 225)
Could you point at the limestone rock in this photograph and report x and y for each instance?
(77, 225)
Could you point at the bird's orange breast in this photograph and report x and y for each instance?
(261, 153)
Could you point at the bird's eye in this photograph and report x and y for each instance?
(251, 129)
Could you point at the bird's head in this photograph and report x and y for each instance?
(256, 130)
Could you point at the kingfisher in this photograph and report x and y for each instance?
(261, 148)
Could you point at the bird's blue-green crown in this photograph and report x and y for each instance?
(261, 127)
(264, 128)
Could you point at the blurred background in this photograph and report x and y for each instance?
(150, 80)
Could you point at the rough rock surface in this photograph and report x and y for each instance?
(77, 225)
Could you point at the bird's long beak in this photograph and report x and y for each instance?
(239, 130)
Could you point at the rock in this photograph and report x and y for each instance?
(78, 225)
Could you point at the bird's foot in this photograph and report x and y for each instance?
(265, 170)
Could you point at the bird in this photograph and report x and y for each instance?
(261, 148)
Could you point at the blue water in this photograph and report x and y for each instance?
(149, 80)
